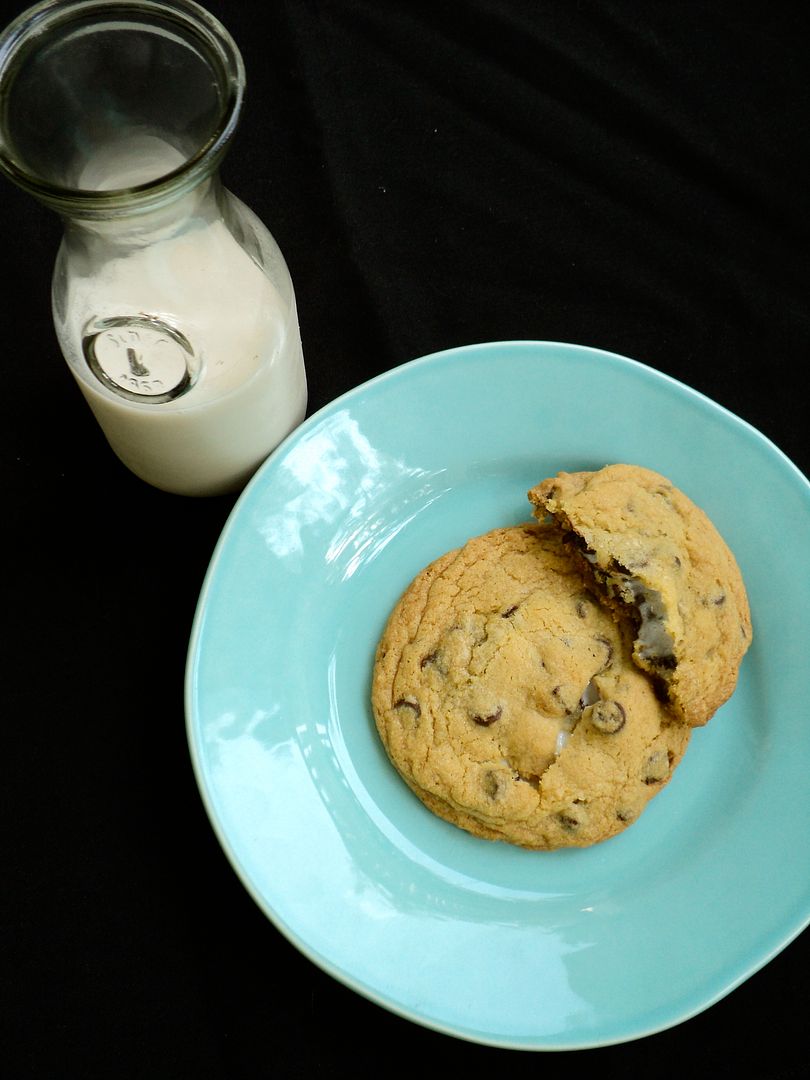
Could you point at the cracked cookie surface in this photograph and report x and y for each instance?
(659, 561)
(507, 698)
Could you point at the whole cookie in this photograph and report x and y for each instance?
(507, 698)
(658, 560)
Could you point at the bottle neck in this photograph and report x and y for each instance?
(140, 224)
(109, 108)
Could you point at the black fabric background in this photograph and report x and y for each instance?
(628, 175)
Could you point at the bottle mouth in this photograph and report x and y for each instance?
(115, 105)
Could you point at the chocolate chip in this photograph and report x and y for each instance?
(568, 821)
(409, 703)
(660, 689)
(626, 816)
(492, 783)
(485, 721)
(666, 661)
(509, 611)
(609, 646)
(431, 658)
(719, 600)
(608, 717)
(657, 767)
(589, 696)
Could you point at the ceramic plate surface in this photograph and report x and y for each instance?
(481, 940)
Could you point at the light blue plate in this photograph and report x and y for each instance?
(485, 941)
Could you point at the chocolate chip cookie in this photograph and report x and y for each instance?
(506, 696)
(659, 562)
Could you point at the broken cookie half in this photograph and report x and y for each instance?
(657, 560)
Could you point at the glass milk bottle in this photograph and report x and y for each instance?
(172, 303)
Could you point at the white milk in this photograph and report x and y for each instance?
(224, 319)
